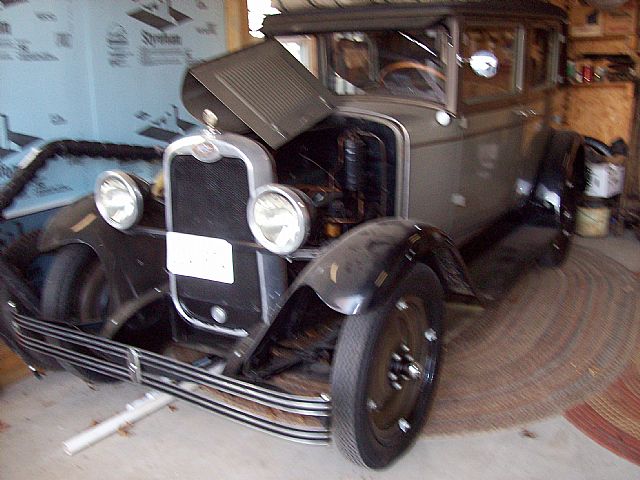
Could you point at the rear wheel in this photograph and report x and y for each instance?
(558, 252)
(76, 291)
(574, 186)
(385, 371)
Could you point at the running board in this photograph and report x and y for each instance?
(124, 362)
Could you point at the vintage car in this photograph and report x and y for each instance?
(356, 170)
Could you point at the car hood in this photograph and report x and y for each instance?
(261, 88)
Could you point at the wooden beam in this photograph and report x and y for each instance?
(237, 24)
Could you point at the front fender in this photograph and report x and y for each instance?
(357, 273)
(359, 270)
(133, 263)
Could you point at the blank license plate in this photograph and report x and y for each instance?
(200, 257)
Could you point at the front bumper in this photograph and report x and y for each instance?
(298, 418)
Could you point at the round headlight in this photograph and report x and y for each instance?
(119, 199)
(279, 218)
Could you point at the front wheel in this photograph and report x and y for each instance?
(385, 371)
(76, 291)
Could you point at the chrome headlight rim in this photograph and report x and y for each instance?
(300, 203)
(134, 191)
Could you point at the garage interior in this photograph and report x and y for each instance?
(543, 383)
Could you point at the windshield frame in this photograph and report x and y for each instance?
(447, 28)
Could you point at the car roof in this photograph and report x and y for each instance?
(309, 16)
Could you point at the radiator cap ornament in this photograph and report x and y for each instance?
(207, 151)
(210, 119)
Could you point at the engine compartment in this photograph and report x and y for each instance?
(347, 168)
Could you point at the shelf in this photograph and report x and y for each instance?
(602, 37)
(623, 84)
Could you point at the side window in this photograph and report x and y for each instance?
(540, 57)
(501, 42)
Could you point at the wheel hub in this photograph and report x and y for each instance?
(403, 368)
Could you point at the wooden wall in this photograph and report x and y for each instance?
(606, 111)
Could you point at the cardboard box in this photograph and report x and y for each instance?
(622, 20)
(604, 180)
(585, 20)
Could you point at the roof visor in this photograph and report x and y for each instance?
(262, 88)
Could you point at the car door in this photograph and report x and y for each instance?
(491, 151)
(541, 70)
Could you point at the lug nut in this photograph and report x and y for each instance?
(396, 386)
(393, 377)
(402, 305)
(414, 370)
(431, 335)
(404, 425)
(371, 405)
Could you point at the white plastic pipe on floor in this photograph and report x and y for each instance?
(150, 403)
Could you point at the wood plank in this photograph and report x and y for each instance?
(12, 368)
(236, 24)
(602, 113)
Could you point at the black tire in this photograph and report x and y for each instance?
(75, 289)
(22, 256)
(558, 252)
(365, 428)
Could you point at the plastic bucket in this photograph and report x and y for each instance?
(593, 221)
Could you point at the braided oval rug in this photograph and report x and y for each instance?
(612, 417)
(559, 337)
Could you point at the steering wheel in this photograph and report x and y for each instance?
(409, 64)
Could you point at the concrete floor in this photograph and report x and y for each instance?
(37, 416)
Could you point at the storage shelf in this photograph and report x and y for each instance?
(623, 84)
(602, 37)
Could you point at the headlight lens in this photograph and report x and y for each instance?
(119, 199)
(279, 218)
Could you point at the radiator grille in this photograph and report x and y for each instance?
(210, 199)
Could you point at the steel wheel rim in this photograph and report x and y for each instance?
(407, 334)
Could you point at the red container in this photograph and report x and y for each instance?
(587, 73)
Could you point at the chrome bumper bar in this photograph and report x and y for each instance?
(124, 362)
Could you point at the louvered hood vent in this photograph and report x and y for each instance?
(263, 88)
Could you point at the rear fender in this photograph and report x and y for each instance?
(133, 263)
(562, 171)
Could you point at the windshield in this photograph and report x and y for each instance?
(405, 63)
